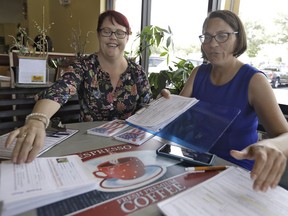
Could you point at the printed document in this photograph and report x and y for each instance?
(52, 139)
(108, 129)
(161, 112)
(134, 136)
(228, 193)
(43, 181)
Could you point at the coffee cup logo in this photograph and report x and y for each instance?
(125, 168)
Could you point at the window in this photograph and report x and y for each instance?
(132, 10)
(185, 18)
(267, 35)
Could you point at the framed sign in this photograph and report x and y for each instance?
(32, 70)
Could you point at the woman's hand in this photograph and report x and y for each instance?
(270, 164)
(164, 93)
(29, 141)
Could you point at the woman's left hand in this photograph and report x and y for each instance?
(164, 93)
(270, 164)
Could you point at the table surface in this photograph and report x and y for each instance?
(81, 141)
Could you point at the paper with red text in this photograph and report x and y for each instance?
(162, 179)
(134, 136)
(108, 129)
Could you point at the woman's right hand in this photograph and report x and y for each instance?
(29, 141)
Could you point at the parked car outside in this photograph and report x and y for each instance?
(276, 75)
(196, 62)
(157, 64)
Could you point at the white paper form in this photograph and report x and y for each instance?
(20, 181)
(161, 112)
(228, 193)
(50, 141)
(43, 181)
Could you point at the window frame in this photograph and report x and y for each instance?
(146, 20)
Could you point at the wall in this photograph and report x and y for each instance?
(80, 14)
(11, 11)
(38, 16)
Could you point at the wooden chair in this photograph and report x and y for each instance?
(17, 103)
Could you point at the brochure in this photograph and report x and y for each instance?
(134, 136)
(108, 129)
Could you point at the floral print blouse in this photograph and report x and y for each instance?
(98, 101)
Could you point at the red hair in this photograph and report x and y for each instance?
(114, 16)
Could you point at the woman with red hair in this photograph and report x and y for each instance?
(109, 86)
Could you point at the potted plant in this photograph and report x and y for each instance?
(174, 80)
(150, 38)
(155, 38)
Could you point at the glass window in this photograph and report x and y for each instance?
(267, 35)
(132, 10)
(185, 18)
(267, 39)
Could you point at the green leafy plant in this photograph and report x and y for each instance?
(174, 80)
(154, 39)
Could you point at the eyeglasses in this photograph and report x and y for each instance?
(107, 32)
(220, 37)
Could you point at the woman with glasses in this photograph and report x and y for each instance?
(225, 80)
(109, 86)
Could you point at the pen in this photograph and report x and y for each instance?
(204, 168)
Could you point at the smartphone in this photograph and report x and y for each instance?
(186, 155)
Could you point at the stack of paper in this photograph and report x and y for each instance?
(161, 112)
(43, 181)
(52, 139)
(186, 121)
(228, 193)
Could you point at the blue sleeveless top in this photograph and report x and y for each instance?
(243, 131)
